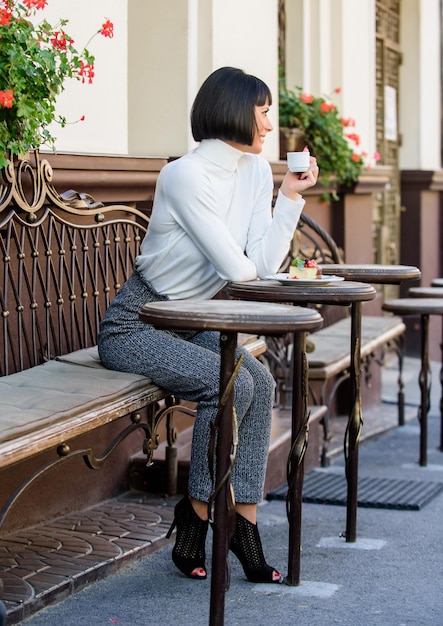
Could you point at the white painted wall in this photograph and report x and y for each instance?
(148, 74)
(104, 103)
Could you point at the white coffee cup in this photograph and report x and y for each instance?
(298, 161)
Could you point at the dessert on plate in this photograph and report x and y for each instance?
(307, 269)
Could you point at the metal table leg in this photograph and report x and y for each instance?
(441, 390)
(299, 442)
(223, 504)
(424, 381)
(354, 426)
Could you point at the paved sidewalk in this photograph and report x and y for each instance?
(392, 575)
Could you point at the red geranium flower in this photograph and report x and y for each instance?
(305, 97)
(347, 121)
(61, 40)
(5, 17)
(86, 71)
(6, 99)
(35, 4)
(107, 29)
(354, 137)
(326, 107)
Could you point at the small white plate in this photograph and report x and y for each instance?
(284, 279)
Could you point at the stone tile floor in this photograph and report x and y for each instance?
(48, 563)
(51, 561)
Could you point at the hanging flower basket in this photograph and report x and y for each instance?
(328, 136)
(35, 61)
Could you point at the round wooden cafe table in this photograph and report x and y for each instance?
(344, 293)
(372, 272)
(379, 274)
(423, 307)
(230, 317)
(434, 292)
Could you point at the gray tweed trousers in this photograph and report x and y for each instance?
(188, 365)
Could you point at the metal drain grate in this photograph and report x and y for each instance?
(384, 493)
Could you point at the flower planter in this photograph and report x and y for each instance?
(291, 140)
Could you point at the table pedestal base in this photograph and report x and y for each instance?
(295, 467)
(224, 513)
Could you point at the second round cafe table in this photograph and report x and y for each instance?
(230, 317)
(424, 308)
(375, 273)
(380, 274)
(343, 293)
(433, 292)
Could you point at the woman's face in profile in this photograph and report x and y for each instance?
(262, 127)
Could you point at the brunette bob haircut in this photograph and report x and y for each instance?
(224, 106)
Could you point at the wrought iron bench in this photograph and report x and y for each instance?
(328, 349)
(63, 258)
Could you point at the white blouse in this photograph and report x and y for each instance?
(212, 222)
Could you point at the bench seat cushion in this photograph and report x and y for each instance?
(50, 403)
(331, 345)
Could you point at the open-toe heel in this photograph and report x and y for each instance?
(189, 553)
(247, 547)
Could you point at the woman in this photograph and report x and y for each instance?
(211, 223)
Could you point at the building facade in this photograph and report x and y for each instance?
(383, 55)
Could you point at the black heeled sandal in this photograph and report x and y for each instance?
(189, 553)
(247, 547)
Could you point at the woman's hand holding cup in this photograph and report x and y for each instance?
(302, 173)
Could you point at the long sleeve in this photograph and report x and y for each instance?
(212, 222)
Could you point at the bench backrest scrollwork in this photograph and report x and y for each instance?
(64, 257)
(62, 260)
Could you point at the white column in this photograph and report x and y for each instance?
(298, 58)
(330, 44)
(420, 79)
(158, 76)
(355, 73)
(174, 46)
(245, 35)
